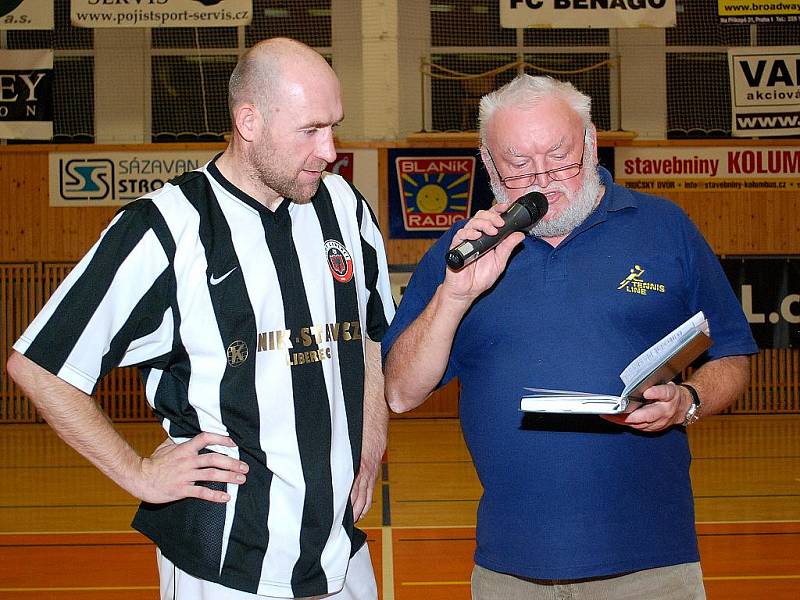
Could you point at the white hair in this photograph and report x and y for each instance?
(526, 91)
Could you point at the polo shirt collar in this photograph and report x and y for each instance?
(615, 198)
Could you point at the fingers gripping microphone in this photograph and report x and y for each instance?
(524, 213)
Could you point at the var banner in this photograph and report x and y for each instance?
(163, 13)
(765, 90)
(518, 14)
(26, 14)
(708, 169)
(769, 290)
(26, 94)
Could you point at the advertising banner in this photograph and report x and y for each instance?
(115, 178)
(430, 189)
(769, 290)
(26, 14)
(765, 91)
(26, 94)
(709, 169)
(753, 12)
(161, 13)
(573, 14)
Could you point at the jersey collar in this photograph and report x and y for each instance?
(214, 171)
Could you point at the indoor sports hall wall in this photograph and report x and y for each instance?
(412, 74)
(39, 243)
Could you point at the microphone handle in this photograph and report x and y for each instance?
(469, 250)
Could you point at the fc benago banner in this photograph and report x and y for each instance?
(161, 13)
(572, 14)
(765, 90)
(26, 94)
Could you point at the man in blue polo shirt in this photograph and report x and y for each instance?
(573, 506)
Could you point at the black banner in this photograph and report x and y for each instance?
(769, 290)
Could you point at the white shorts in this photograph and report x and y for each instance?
(179, 585)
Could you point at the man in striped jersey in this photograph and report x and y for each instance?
(252, 294)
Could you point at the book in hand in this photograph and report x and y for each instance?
(658, 364)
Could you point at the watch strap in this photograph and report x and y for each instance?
(693, 414)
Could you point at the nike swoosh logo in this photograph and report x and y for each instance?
(215, 280)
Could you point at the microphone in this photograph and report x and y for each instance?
(524, 213)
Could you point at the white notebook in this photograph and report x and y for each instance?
(658, 364)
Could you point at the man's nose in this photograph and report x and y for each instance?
(326, 149)
(541, 179)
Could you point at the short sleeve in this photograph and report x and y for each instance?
(380, 304)
(113, 308)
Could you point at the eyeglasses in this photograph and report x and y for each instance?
(519, 182)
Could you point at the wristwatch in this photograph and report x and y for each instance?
(693, 414)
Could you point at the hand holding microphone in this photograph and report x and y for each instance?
(521, 215)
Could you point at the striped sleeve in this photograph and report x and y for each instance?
(380, 304)
(113, 308)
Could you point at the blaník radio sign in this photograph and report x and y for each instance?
(432, 189)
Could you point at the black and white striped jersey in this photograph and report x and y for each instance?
(248, 323)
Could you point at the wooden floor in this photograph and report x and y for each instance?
(64, 529)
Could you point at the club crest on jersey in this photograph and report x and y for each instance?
(339, 261)
(237, 353)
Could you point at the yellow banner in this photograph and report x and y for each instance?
(738, 12)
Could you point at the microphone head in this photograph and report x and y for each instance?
(536, 204)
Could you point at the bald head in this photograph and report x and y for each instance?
(266, 67)
(285, 101)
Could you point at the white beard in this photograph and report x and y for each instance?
(579, 206)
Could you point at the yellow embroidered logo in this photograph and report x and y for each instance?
(634, 284)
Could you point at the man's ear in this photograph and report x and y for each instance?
(248, 122)
(591, 131)
(485, 159)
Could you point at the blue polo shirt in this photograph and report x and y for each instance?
(574, 496)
